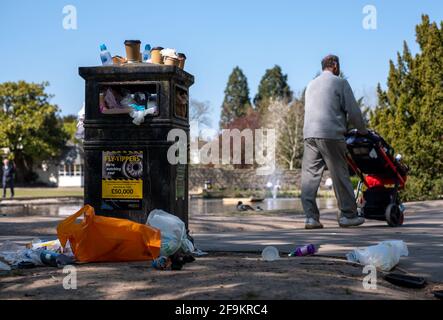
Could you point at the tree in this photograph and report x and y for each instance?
(199, 112)
(236, 102)
(29, 125)
(69, 124)
(287, 119)
(250, 121)
(273, 86)
(410, 112)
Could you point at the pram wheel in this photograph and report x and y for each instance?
(394, 215)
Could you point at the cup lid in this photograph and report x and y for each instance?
(270, 254)
(157, 48)
(132, 42)
(181, 55)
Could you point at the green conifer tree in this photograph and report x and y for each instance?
(273, 86)
(410, 112)
(236, 103)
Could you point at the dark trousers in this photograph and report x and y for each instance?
(319, 153)
(7, 183)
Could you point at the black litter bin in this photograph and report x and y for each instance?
(127, 173)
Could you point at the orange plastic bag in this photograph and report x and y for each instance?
(103, 239)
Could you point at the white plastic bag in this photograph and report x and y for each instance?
(80, 132)
(385, 255)
(172, 229)
(139, 116)
(15, 254)
(25, 256)
(168, 52)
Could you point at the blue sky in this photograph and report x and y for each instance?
(215, 35)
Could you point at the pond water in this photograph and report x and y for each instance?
(202, 206)
(196, 206)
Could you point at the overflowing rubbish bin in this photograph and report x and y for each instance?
(129, 111)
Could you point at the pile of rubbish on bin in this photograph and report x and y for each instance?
(140, 103)
(163, 240)
(156, 55)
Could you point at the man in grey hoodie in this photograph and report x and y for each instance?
(329, 106)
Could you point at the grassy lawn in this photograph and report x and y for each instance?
(46, 192)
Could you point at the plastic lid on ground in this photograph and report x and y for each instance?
(270, 254)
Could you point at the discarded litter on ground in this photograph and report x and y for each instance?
(385, 255)
(34, 254)
(407, 281)
(307, 250)
(4, 267)
(176, 247)
(173, 232)
(270, 254)
(104, 239)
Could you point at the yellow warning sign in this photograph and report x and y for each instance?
(122, 189)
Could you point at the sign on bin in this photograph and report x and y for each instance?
(122, 179)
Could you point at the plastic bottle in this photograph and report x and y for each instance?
(49, 258)
(303, 251)
(105, 56)
(161, 263)
(147, 53)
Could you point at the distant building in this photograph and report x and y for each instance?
(67, 171)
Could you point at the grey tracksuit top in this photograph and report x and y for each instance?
(329, 105)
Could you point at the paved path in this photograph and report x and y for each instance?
(422, 232)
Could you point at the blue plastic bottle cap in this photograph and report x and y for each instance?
(103, 47)
(148, 47)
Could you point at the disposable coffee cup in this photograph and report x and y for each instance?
(270, 254)
(132, 50)
(181, 60)
(171, 61)
(156, 56)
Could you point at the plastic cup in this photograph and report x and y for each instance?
(156, 56)
(132, 50)
(270, 254)
(181, 60)
(170, 61)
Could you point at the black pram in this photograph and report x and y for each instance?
(382, 174)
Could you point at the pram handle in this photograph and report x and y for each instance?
(372, 134)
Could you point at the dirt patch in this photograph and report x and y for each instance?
(216, 276)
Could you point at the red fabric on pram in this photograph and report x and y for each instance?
(373, 181)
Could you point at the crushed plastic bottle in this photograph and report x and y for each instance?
(385, 255)
(303, 251)
(54, 259)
